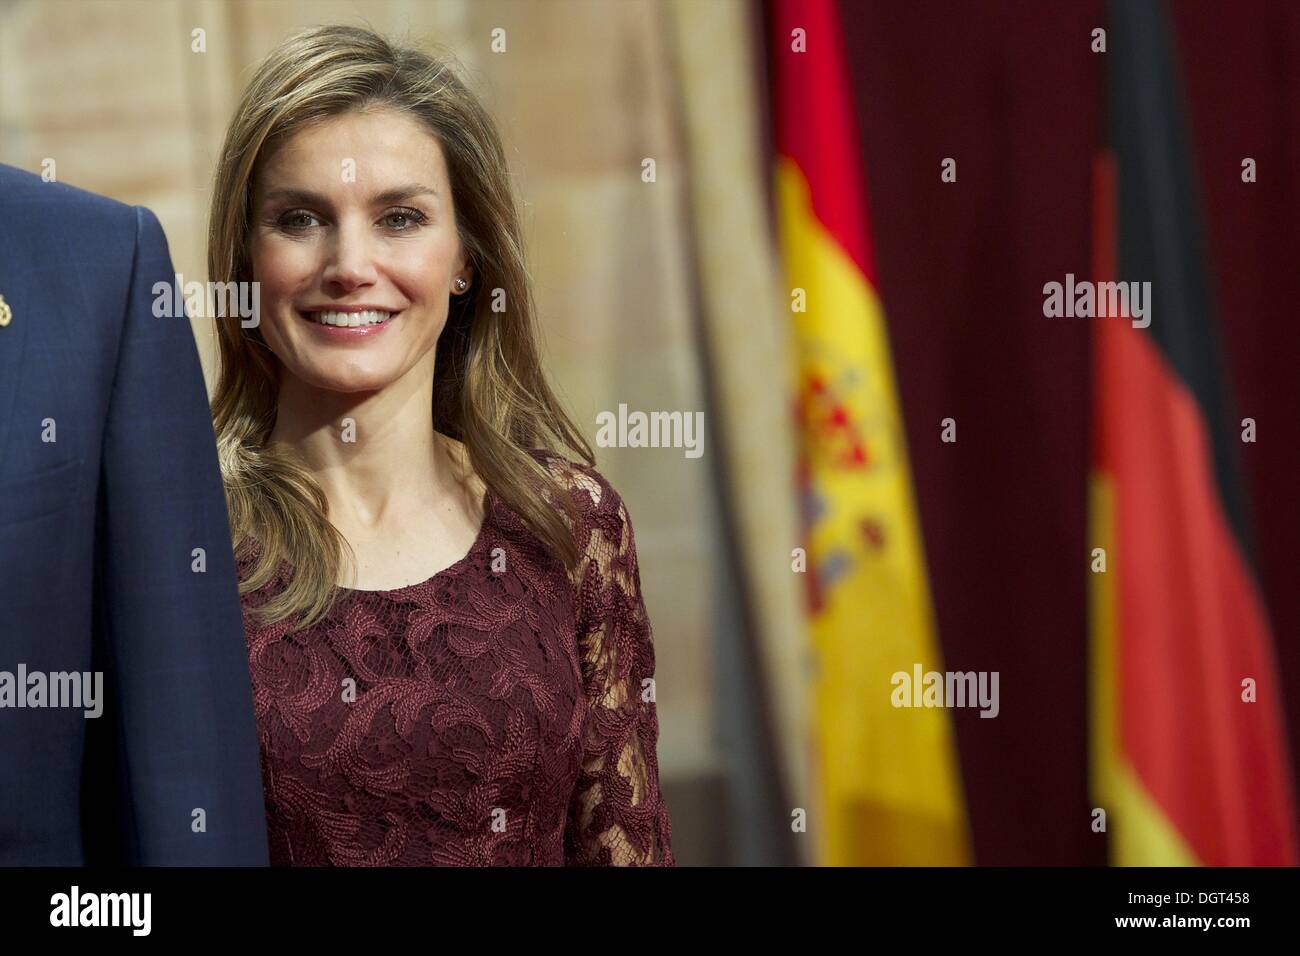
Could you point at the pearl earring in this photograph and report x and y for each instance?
(461, 284)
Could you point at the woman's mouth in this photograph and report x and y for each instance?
(349, 322)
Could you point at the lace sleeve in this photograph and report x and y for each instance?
(616, 815)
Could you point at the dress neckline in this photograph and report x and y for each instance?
(451, 570)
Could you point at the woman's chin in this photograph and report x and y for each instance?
(349, 381)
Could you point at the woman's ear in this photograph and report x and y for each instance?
(463, 278)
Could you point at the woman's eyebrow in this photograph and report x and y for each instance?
(404, 193)
(304, 197)
(308, 198)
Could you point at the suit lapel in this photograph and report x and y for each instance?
(17, 292)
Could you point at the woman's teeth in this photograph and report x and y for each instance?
(351, 319)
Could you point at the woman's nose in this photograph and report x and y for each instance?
(350, 258)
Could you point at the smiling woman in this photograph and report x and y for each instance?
(341, 259)
(450, 654)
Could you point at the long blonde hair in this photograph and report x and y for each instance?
(489, 388)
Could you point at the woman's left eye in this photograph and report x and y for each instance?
(402, 220)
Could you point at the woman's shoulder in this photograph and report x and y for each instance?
(603, 527)
(589, 490)
(248, 559)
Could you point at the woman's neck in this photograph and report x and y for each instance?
(374, 454)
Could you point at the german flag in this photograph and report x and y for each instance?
(1190, 758)
(890, 789)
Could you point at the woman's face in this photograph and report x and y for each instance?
(353, 242)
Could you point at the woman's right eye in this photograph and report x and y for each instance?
(296, 220)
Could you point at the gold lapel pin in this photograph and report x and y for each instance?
(6, 313)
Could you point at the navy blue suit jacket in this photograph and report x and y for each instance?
(98, 532)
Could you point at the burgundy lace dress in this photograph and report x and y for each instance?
(500, 713)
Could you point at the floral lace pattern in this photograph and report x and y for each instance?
(500, 713)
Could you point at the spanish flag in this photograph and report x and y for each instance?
(889, 786)
(1190, 759)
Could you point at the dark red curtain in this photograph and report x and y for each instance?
(1013, 93)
